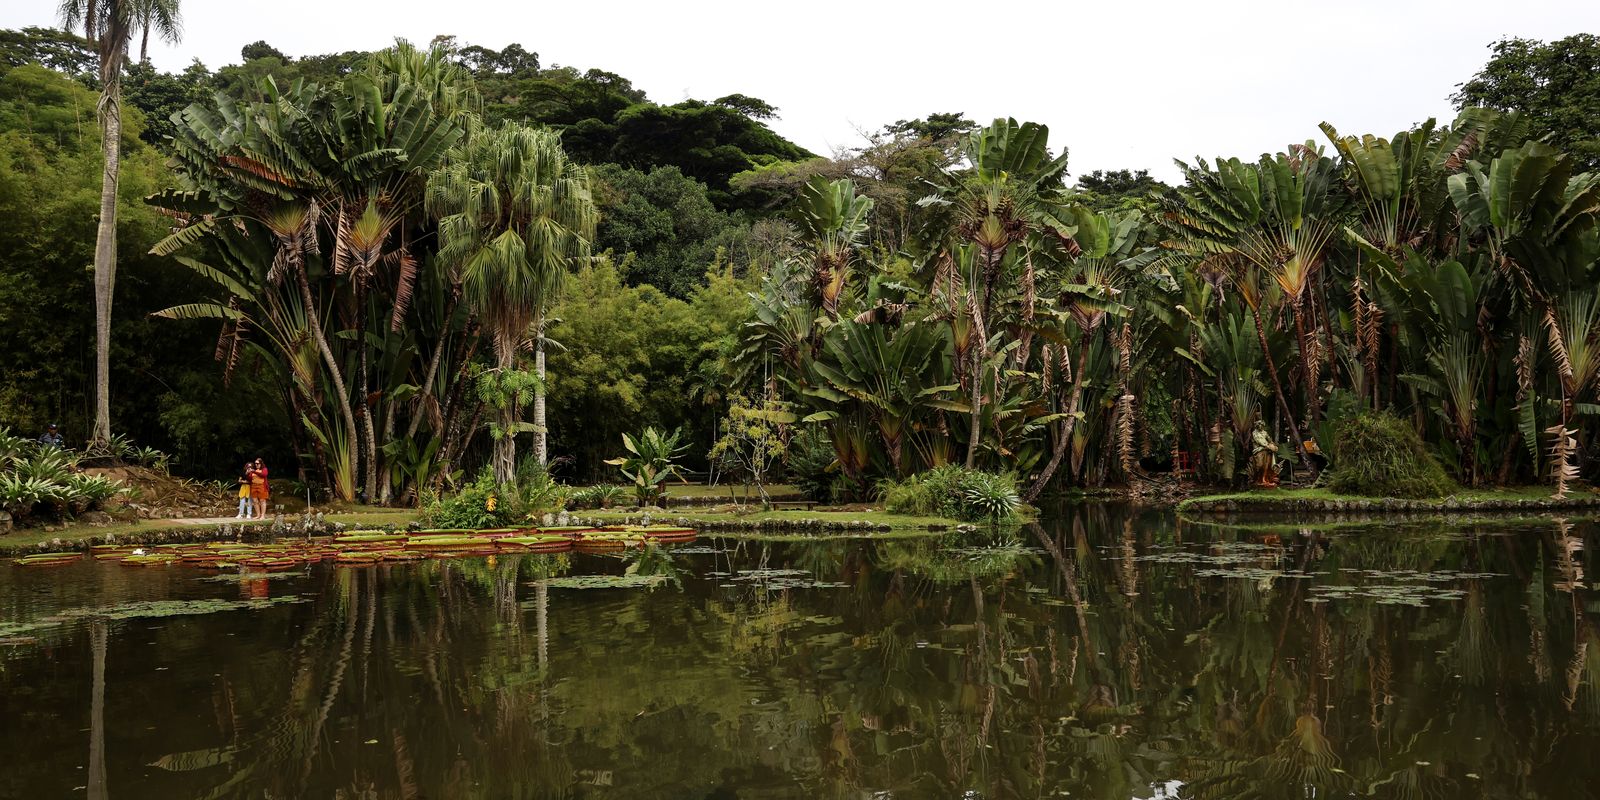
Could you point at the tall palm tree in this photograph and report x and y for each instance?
(110, 25)
(514, 216)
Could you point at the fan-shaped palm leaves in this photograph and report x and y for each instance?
(515, 215)
(311, 199)
(833, 221)
(893, 374)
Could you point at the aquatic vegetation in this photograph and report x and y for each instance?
(775, 580)
(370, 537)
(146, 609)
(605, 582)
(1405, 587)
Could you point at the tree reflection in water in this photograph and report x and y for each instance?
(1105, 652)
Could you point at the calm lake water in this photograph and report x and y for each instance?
(1103, 653)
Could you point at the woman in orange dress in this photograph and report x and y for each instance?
(258, 488)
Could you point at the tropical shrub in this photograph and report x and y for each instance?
(1381, 455)
(88, 492)
(20, 496)
(12, 446)
(812, 467)
(650, 462)
(476, 505)
(954, 491)
(484, 503)
(604, 495)
(536, 493)
(152, 458)
(49, 466)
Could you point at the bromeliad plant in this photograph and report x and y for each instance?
(650, 462)
(40, 482)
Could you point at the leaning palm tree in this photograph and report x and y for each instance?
(514, 216)
(110, 25)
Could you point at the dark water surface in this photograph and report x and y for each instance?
(1104, 654)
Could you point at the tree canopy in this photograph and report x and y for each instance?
(1555, 85)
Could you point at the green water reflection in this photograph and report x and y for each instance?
(1105, 654)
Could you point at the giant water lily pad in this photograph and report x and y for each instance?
(351, 538)
(447, 541)
(535, 539)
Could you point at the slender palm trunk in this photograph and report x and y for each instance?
(369, 443)
(976, 431)
(314, 322)
(433, 371)
(105, 243)
(1277, 391)
(385, 482)
(1068, 426)
(541, 440)
(505, 447)
(1308, 367)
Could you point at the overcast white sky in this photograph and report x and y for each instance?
(1123, 84)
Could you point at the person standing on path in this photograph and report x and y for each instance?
(259, 491)
(244, 491)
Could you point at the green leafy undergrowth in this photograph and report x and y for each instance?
(1382, 455)
(953, 491)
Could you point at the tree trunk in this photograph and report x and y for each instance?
(505, 447)
(315, 324)
(1277, 391)
(144, 40)
(433, 371)
(369, 444)
(1068, 426)
(541, 441)
(105, 244)
(1307, 368)
(977, 404)
(385, 480)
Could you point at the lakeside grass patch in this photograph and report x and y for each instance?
(370, 516)
(1260, 498)
(875, 517)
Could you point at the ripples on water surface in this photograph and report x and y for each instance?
(1103, 654)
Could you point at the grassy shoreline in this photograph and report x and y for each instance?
(778, 520)
(1285, 501)
(79, 536)
(804, 523)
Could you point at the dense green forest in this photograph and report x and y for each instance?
(946, 293)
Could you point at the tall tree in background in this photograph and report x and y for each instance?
(110, 25)
(1556, 86)
(514, 216)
